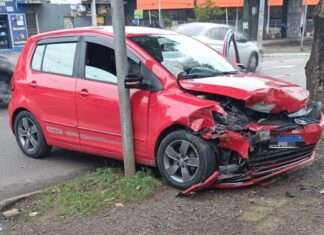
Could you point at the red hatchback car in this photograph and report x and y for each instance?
(196, 117)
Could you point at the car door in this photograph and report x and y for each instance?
(243, 46)
(230, 50)
(98, 103)
(51, 87)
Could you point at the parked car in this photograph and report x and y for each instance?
(195, 116)
(214, 35)
(6, 71)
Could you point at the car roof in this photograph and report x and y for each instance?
(206, 25)
(108, 30)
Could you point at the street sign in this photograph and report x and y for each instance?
(138, 14)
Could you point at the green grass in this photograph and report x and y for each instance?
(322, 137)
(95, 191)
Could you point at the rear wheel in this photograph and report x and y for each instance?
(185, 159)
(29, 136)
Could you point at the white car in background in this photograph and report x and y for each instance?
(214, 35)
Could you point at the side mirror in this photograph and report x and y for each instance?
(242, 68)
(133, 81)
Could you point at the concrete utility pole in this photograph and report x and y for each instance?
(118, 20)
(93, 13)
(304, 27)
(260, 23)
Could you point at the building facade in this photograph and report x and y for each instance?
(13, 29)
(285, 17)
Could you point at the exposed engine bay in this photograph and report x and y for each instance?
(263, 135)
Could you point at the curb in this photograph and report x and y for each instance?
(286, 54)
(7, 202)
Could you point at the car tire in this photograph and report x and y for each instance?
(29, 136)
(5, 91)
(185, 159)
(253, 63)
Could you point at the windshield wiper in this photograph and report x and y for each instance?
(204, 75)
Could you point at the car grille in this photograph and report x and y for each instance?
(277, 156)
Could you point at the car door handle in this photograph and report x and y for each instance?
(33, 84)
(84, 93)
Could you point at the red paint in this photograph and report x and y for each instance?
(253, 88)
(87, 112)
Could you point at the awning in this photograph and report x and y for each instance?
(310, 2)
(225, 3)
(275, 3)
(164, 4)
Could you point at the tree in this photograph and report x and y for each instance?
(207, 11)
(315, 65)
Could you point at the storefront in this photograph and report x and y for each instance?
(13, 29)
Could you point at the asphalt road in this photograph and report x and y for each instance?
(20, 174)
(289, 68)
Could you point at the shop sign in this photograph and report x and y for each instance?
(7, 6)
(18, 29)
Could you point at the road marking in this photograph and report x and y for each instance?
(279, 67)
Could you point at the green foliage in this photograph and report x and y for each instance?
(167, 21)
(94, 191)
(207, 11)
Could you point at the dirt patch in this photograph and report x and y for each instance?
(290, 203)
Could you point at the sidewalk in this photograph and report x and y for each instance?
(286, 46)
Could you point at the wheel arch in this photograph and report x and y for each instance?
(164, 133)
(14, 115)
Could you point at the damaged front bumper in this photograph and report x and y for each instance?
(255, 165)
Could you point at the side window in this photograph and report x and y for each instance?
(218, 33)
(59, 58)
(38, 57)
(240, 36)
(100, 64)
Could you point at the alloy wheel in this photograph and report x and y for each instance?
(181, 161)
(28, 134)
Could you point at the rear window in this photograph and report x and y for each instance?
(57, 58)
(190, 29)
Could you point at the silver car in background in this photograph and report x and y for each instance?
(214, 36)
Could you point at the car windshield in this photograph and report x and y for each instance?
(185, 57)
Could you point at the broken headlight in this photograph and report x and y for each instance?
(262, 107)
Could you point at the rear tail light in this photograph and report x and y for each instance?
(12, 84)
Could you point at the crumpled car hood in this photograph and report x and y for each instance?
(254, 89)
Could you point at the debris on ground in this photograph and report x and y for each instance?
(33, 214)
(119, 205)
(11, 213)
(289, 194)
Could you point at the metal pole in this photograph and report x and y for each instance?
(226, 12)
(150, 17)
(268, 19)
(260, 23)
(236, 22)
(118, 20)
(93, 13)
(160, 17)
(304, 27)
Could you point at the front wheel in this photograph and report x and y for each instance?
(185, 159)
(29, 136)
(252, 63)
